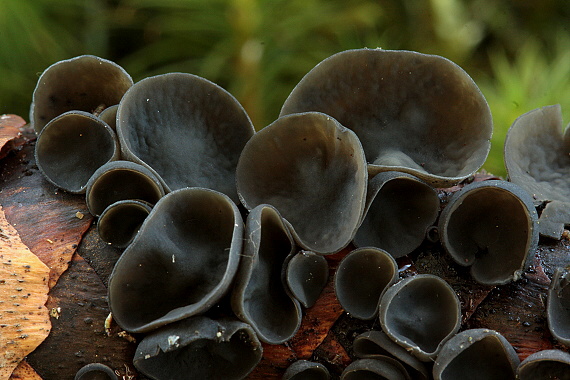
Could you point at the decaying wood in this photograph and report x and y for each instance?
(24, 320)
(47, 222)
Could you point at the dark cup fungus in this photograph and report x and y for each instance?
(121, 180)
(558, 308)
(420, 313)
(379, 368)
(120, 221)
(492, 227)
(361, 278)
(536, 158)
(306, 274)
(476, 354)
(83, 83)
(109, 116)
(313, 171)
(181, 262)
(188, 129)
(545, 365)
(260, 297)
(415, 113)
(72, 146)
(372, 343)
(306, 370)
(400, 208)
(95, 371)
(199, 348)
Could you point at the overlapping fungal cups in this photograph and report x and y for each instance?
(545, 365)
(119, 223)
(260, 296)
(415, 113)
(476, 354)
(536, 158)
(186, 128)
(306, 370)
(72, 146)
(399, 210)
(83, 83)
(199, 348)
(306, 274)
(558, 307)
(313, 170)
(182, 261)
(492, 227)
(361, 278)
(420, 313)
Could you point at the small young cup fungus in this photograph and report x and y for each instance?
(82, 83)
(186, 128)
(306, 275)
(95, 371)
(558, 307)
(420, 313)
(313, 171)
(536, 158)
(379, 367)
(306, 370)
(400, 209)
(72, 146)
(545, 365)
(260, 296)
(182, 261)
(120, 221)
(492, 227)
(415, 113)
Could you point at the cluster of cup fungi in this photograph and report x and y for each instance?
(205, 207)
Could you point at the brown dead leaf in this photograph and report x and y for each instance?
(24, 371)
(9, 130)
(24, 318)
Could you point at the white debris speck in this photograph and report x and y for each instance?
(219, 334)
(173, 340)
(173, 258)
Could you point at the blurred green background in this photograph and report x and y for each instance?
(518, 52)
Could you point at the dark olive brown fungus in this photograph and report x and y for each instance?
(536, 158)
(181, 262)
(415, 113)
(120, 221)
(372, 343)
(188, 129)
(72, 146)
(476, 354)
(109, 116)
(95, 371)
(399, 210)
(306, 370)
(361, 278)
(558, 307)
(420, 313)
(313, 171)
(306, 274)
(84, 83)
(121, 180)
(199, 348)
(545, 365)
(379, 368)
(492, 227)
(260, 296)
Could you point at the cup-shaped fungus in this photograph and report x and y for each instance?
(199, 348)
(306, 274)
(83, 83)
(476, 354)
(415, 113)
(312, 169)
(381, 367)
(260, 296)
(372, 343)
(558, 309)
(120, 221)
(306, 370)
(536, 158)
(361, 278)
(121, 180)
(181, 262)
(400, 208)
(109, 116)
(188, 129)
(492, 227)
(72, 146)
(545, 365)
(420, 313)
(95, 371)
